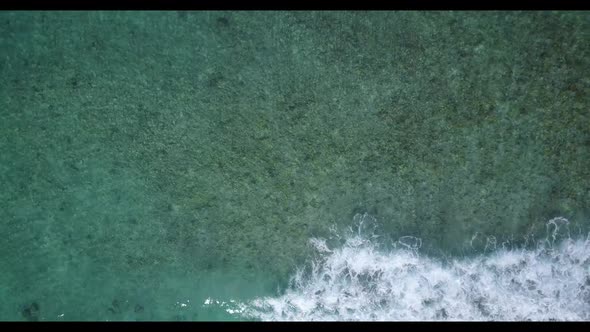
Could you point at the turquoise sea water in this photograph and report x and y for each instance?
(294, 166)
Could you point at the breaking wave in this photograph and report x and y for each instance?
(359, 281)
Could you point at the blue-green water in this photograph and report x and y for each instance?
(160, 165)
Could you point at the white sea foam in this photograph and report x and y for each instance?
(359, 281)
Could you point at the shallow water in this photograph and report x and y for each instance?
(160, 165)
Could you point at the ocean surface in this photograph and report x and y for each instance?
(308, 166)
